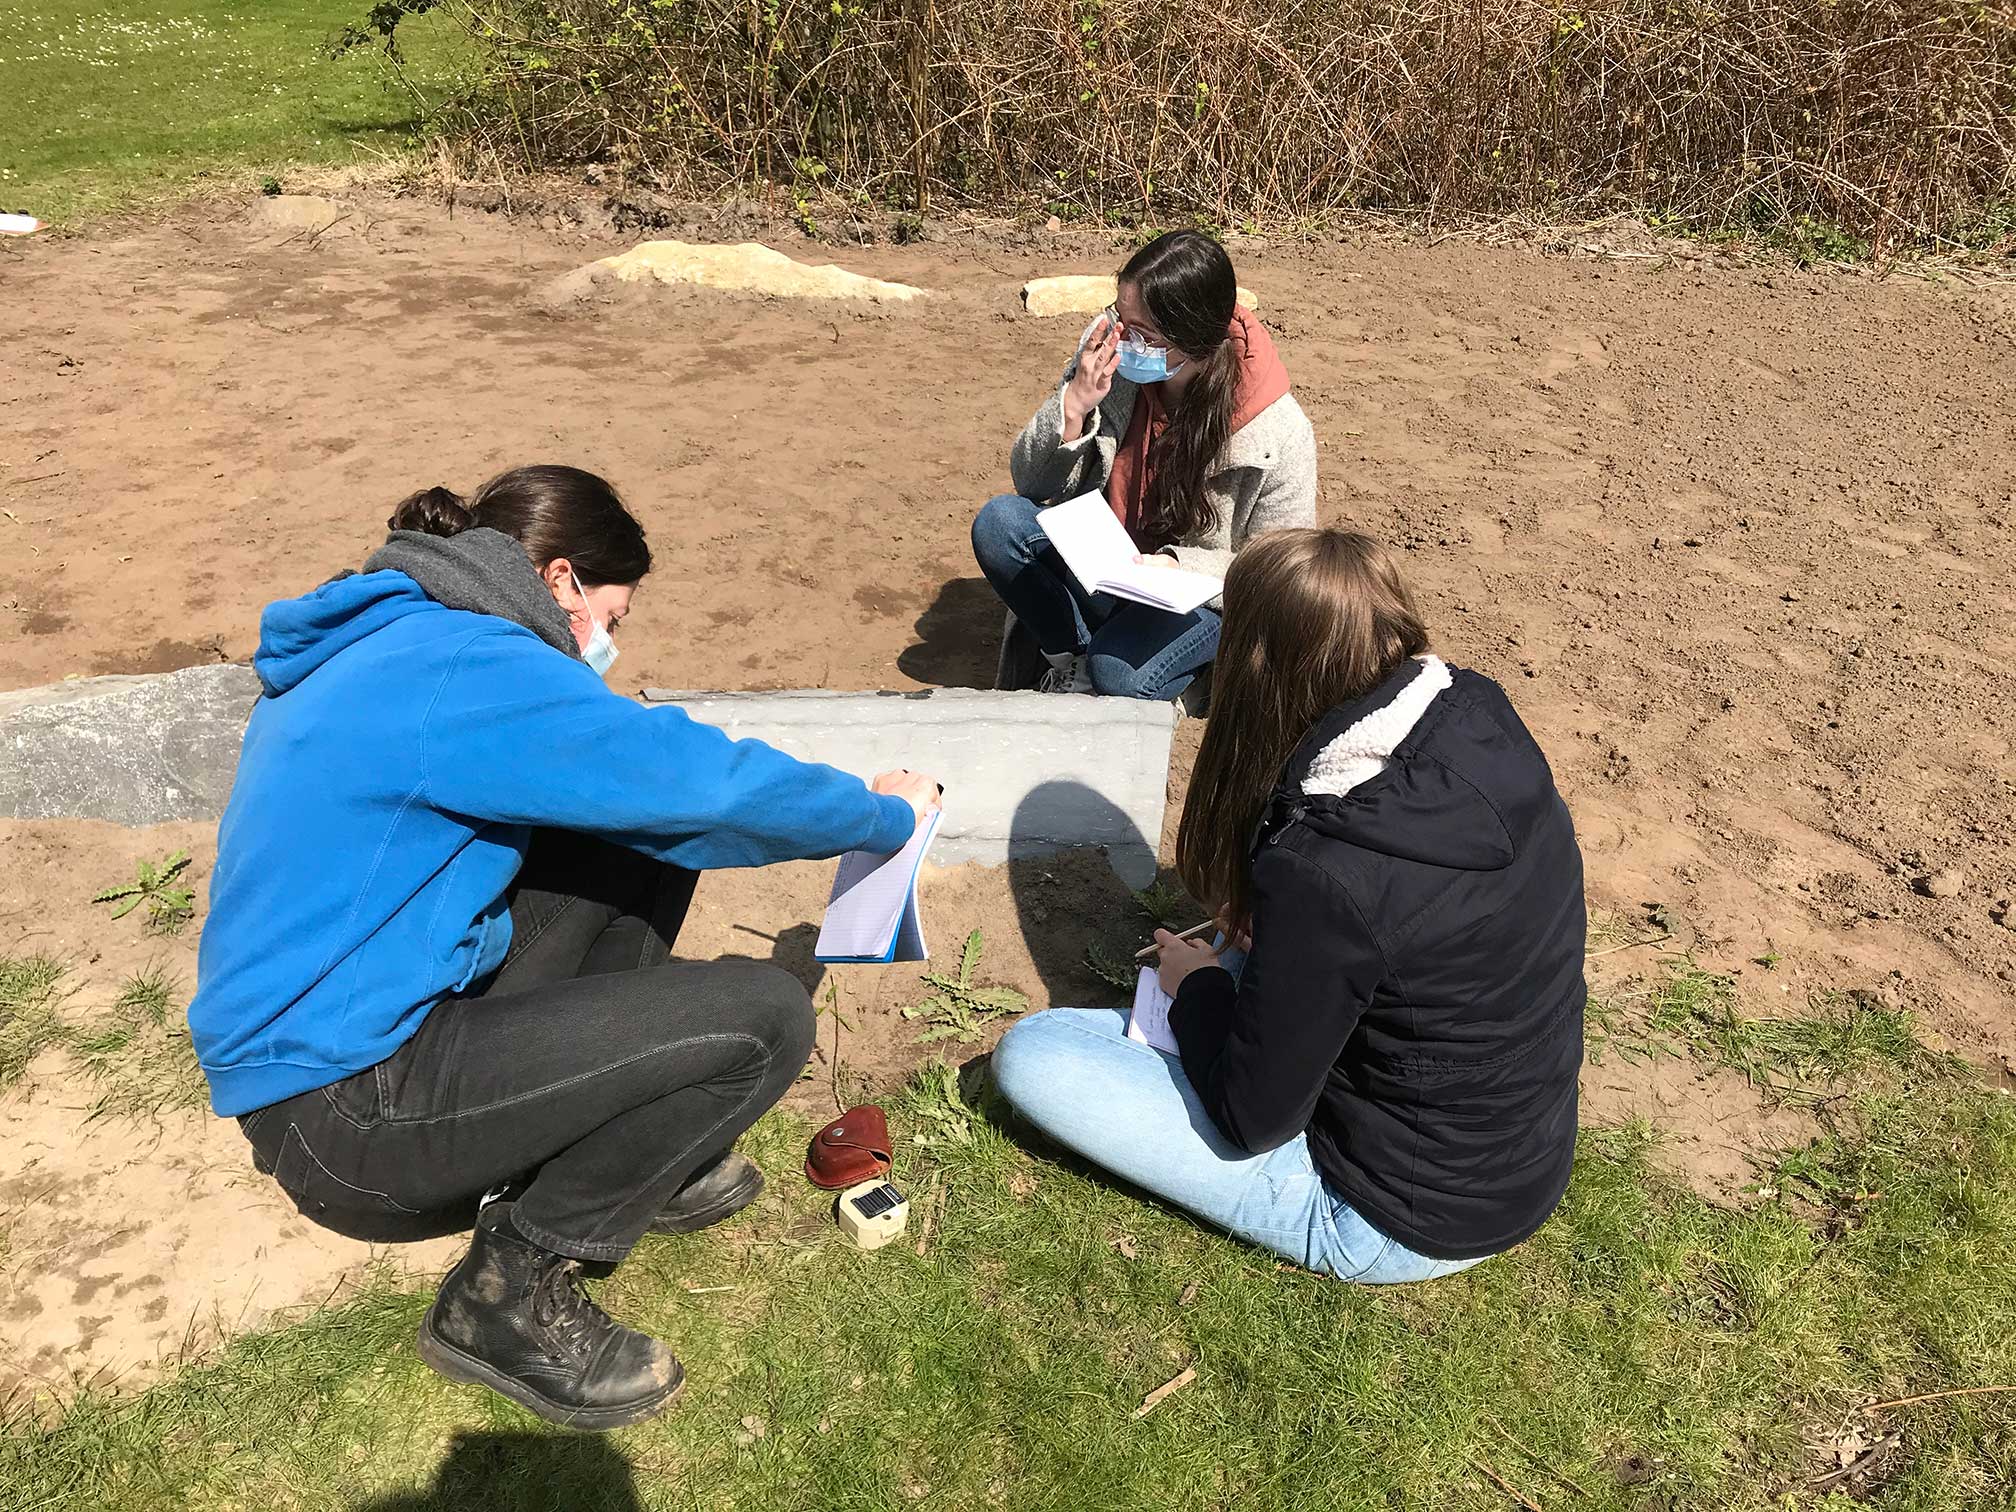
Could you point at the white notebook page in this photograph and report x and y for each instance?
(1148, 1024)
(875, 901)
(1100, 554)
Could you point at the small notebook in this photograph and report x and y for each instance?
(1148, 1024)
(1100, 554)
(872, 915)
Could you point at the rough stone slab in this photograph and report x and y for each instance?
(1086, 294)
(132, 750)
(746, 266)
(1024, 773)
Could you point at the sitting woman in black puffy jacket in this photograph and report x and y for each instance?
(1373, 1070)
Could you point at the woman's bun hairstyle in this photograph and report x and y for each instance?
(551, 511)
(434, 511)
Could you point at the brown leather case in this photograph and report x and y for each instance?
(851, 1149)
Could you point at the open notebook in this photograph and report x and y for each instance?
(1148, 1024)
(1100, 554)
(872, 915)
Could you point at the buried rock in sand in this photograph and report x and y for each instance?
(747, 267)
(288, 216)
(1086, 294)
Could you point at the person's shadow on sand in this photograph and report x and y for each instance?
(958, 637)
(523, 1472)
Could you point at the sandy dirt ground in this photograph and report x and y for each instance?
(1737, 540)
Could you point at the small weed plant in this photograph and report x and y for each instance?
(169, 907)
(960, 1007)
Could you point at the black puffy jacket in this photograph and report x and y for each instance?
(1413, 999)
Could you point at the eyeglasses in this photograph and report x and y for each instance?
(1134, 335)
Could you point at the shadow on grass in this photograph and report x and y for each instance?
(523, 1472)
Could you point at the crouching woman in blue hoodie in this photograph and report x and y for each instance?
(437, 962)
(1375, 1075)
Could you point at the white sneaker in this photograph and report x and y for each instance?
(1073, 676)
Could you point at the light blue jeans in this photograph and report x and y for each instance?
(1074, 1074)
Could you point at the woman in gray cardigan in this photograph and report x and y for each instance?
(1177, 407)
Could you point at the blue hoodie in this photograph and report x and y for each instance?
(390, 780)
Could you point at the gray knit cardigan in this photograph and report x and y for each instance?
(1264, 480)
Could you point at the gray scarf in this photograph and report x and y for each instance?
(483, 571)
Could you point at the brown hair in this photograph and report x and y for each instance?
(551, 511)
(1313, 619)
(1186, 281)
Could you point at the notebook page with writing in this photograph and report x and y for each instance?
(872, 914)
(1148, 1024)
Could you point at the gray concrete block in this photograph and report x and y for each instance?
(1024, 773)
(133, 750)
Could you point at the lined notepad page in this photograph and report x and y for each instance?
(872, 915)
(1148, 1024)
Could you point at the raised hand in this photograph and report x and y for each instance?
(1098, 360)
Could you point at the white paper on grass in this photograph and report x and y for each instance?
(1148, 1024)
(872, 914)
(1100, 554)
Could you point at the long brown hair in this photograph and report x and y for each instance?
(551, 511)
(1186, 281)
(1313, 619)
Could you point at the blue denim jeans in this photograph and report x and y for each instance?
(1132, 651)
(1074, 1074)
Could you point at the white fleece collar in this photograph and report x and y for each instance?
(1366, 749)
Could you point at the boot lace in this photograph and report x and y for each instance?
(563, 1308)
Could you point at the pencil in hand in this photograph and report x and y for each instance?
(1188, 934)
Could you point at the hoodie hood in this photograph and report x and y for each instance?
(481, 571)
(1431, 766)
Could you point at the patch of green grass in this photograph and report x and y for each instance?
(106, 103)
(139, 1056)
(1688, 1010)
(28, 1020)
(1642, 1333)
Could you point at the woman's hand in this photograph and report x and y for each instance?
(1155, 559)
(920, 792)
(1098, 360)
(1179, 959)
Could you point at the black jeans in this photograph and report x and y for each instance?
(590, 1067)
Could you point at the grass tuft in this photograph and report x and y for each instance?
(139, 1055)
(1689, 1010)
(28, 1019)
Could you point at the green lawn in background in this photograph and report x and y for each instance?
(101, 104)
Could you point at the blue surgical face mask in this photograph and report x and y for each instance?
(600, 652)
(1141, 363)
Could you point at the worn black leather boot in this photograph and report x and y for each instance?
(718, 1191)
(513, 1317)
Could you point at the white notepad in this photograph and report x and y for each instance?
(1148, 1024)
(872, 915)
(1100, 554)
